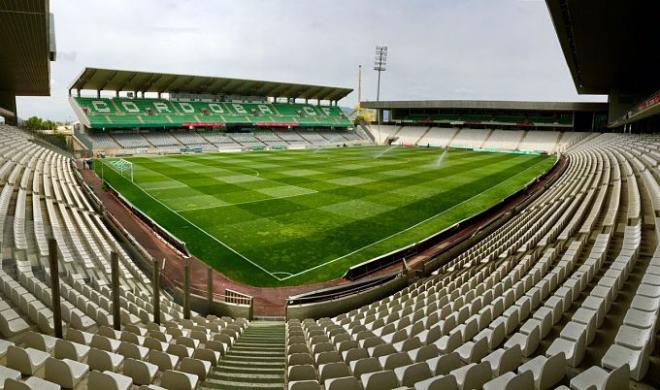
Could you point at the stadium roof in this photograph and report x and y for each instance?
(611, 46)
(27, 46)
(124, 80)
(486, 105)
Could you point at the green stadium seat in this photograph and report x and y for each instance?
(149, 113)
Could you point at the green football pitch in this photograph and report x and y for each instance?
(275, 218)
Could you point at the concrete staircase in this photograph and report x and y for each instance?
(255, 361)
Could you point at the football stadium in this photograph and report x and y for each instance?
(201, 231)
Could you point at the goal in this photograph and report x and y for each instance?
(125, 168)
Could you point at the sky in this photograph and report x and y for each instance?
(438, 49)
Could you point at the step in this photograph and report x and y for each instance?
(253, 358)
(244, 352)
(252, 363)
(251, 367)
(225, 384)
(255, 361)
(257, 346)
(258, 377)
(259, 349)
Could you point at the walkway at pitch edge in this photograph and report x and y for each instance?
(255, 361)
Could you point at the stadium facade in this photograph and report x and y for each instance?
(481, 114)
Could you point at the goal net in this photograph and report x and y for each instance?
(125, 168)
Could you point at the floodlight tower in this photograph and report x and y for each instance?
(380, 66)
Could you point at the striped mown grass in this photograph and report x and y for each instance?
(277, 218)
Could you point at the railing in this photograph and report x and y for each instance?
(165, 235)
(237, 298)
(637, 110)
(337, 292)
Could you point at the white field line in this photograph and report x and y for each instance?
(290, 275)
(204, 231)
(253, 201)
(309, 192)
(404, 230)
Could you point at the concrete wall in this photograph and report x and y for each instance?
(334, 307)
(200, 305)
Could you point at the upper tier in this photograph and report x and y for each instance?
(131, 113)
(555, 120)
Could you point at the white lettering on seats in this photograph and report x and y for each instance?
(326, 110)
(187, 108)
(264, 109)
(100, 106)
(130, 107)
(161, 107)
(309, 110)
(216, 108)
(239, 108)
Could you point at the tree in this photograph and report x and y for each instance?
(48, 125)
(360, 120)
(34, 123)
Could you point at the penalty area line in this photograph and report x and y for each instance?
(404, 230)
(204, 231)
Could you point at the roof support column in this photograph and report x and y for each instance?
(8, 102)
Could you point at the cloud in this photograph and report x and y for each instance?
(67, 55)
(438, 49)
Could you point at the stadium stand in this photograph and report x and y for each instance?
(159, 139)
(291, 137)
(542, 141)
(437, 137)
(497, 139)
(114, 142)
(189, 138)
(520, 308)
(504, 139)
(247, 140)
(315, 138)
(383, 133)
(109, 113)
(189, 118)
(489, 118)
(570, 138)
(470, 138)
(530, 305)
(126, 140)
(40, 197)
(565, 293)
(103, 141)
(220, 140)
(409, 135)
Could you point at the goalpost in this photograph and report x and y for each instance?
(122, 166)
